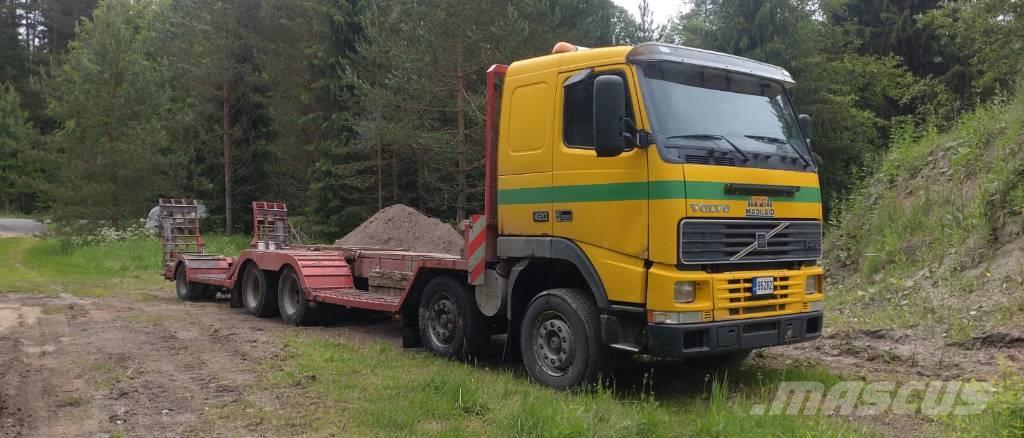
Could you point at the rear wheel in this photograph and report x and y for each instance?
(560, 339)
(259, 294)
(295, 308)
(186, 290)
(450, 324)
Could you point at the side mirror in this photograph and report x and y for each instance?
(806, 125)
(609, 115)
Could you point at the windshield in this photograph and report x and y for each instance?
(698, 111)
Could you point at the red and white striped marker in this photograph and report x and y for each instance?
(476, 248)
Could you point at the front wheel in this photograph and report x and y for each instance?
(560, 339)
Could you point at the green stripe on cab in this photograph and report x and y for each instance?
(637, 191)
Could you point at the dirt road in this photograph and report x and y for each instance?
(153, 366)
(72, 367)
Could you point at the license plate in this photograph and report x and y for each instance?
(762, 286)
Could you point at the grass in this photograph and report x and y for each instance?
(350, 389)
(52, 266)
(1003, 417)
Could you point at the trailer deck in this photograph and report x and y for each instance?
(327, 273)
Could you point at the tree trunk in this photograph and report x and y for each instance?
(421, 194)
(226, 139)
(460, 202)
(394, 177)
(380, 176)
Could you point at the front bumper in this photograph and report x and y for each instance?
(690, 340)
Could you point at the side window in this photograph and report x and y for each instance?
(578, 110)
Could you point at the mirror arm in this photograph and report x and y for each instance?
(646, 139)
(641, 140)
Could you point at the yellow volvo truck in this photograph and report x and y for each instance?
(656, 199)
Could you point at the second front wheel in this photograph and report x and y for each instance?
(450, 323)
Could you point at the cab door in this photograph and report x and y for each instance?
(600, 203)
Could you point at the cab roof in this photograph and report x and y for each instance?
(650, 52)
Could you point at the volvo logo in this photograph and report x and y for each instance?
(760, 241)
(709, 208)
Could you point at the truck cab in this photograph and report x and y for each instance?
(674, 188)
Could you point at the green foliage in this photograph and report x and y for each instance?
(22, 166)
(987, 34)
(110, 99)
(341, 189)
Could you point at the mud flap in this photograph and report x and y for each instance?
(511, 352)
(411, 333)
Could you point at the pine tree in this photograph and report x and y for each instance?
(23, 167)
(341, 178)
(213, 49)
(108, 96)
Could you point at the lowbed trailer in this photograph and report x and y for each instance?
(274, 277)
(655, 200)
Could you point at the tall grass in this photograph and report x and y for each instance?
(104, 269)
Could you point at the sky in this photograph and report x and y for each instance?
(664, 10)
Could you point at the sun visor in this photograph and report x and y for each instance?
(709, 59)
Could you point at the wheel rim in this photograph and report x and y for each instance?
(251, 289)
(442, 320)
(290, 295)
(554, 345)
(181, 282)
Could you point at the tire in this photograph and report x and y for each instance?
(560, 340)
(259, 292)
(295, 307)
(450, 324)
(186, 291)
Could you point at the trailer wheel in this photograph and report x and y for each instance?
(295, 308)
(186, 290)
(450, 324)
(259, 294)
(560, 339)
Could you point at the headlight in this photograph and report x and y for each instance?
(812, 284)
(684, 292)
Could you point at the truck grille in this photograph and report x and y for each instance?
(739, 241)
(733, 298)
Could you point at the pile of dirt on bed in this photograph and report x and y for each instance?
(402, 227)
